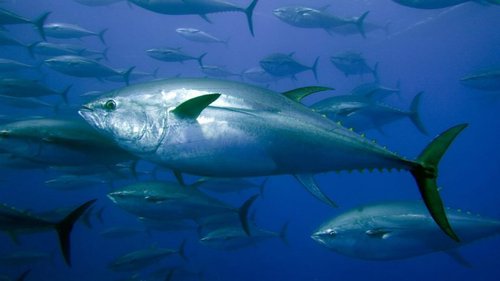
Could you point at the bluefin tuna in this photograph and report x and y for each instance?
(189, 124)
(66, 31)
(23, 88)
(398, 230)
(7, 65)
(196, 7)
(196, 35)
(85, 67)
(438, 4)
(306, 17)
(283, 65)
(259, 75)
(14, 221)
(173, 55)
(144, 258)
(485, 79)
(363, 112)
(353, 63)
(9, 17)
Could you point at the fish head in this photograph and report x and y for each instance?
(338, 237)
(135, 122)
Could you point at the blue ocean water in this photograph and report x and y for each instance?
(426, 50)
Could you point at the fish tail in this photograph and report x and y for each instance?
(243, 213)
(314, 68)
(64, 94)
(31, 49)
(65, 226)
(39, 22)
(105, 53)
(360, 23)
(415, 115)
(200, 59)
(249, 14)
(126, 75)
(101, 35)
(283, 234)
(426, 172)
(182, 250)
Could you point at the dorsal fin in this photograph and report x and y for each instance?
(300, 93)
(193, 107)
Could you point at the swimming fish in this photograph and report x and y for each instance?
(188, 125)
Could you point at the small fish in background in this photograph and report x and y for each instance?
(27, 104)
(97, 3)
(484, 80)
(259, 75)
(79, 66)
(376, 90)
(15, 222)
(364, 112)
(25, 88)
(71, 31)
(8, 17)
(399, 230)
(53, 50)
(353, 63)
(305, 17)
(201, 8)
(144, 258)
(234, 237)
(173, 55)
(284, 65)
(196, 35)
(218, 71)
(8, 65)
(439, 4)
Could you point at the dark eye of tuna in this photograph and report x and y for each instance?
(110, 105)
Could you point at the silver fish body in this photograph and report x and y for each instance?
(397, 230)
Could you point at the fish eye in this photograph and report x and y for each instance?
(110, 105)
(332, 233)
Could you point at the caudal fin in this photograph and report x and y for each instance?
(243, 213)
(64, 94)
(39, 22)
(200, 59)
(249, 14)
(101, 35)
(314, 68)
(126, 75)
(360, 24)
(415, 115)
(426, 172)
(65, 226)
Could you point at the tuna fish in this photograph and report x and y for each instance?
(143, 258)
(259, 75)
(14, 221)
(8, 17)
(173, 55)
(7, 65)
(196, 7)
(23, 88)
(283, 65)
(188, 125)
(397, 230)
(438, 4)
(485, 80)
(66, 31)
(306, 17)
(197, 35)
(353, 63)
(362, 113)
(85, 67)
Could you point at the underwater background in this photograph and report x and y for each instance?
(423, 50)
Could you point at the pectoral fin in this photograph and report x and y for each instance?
(192, 108)
(307, 180)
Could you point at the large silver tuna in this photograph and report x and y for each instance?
(230, 129)
(397, 230)
(196, 7)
